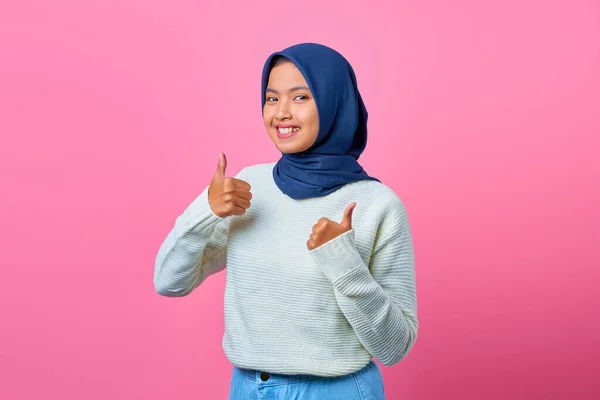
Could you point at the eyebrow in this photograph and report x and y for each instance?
(289, 91)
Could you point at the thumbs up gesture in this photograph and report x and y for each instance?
(325, 229)
(228, 196)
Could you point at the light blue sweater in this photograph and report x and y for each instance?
(289, 310)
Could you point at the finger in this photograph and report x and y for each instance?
(239, 210)
(243, 194)
(222, 166)
(241, 184)
(243, 203)
(347, 220)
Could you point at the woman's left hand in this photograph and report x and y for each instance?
(325, 229)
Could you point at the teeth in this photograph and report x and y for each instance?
(286, 131)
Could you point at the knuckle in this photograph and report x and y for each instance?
(228, 185)
(323, 221)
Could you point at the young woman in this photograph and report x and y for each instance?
(319, 255)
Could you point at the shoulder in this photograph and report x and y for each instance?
(384, 213)
(255, 171)
(379, 198)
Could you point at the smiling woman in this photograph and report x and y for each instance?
(340, 290)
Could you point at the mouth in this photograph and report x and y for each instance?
(287, 132)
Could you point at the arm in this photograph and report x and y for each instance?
(379, 301)
(195, 248)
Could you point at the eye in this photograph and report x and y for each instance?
(271, 99)
(303, 97)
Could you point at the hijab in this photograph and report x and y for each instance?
(332, 161)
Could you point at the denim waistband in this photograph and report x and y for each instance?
(283, 379)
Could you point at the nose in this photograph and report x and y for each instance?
(283, 110)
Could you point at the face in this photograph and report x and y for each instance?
(290, 112)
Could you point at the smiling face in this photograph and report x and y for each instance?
(290, 112)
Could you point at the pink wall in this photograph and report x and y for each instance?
(484, 120)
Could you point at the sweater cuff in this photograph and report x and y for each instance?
(199, 214)
(337, 256)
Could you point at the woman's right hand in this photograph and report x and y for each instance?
(228, 196)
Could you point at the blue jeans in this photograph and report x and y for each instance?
(364, 384)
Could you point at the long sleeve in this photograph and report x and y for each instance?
(195, 248)
(379, 300)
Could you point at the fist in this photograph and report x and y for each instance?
(325, 229)
(228, 196)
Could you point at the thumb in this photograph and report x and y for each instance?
(222, 166)
(347, 220)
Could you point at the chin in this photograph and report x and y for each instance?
(288, 151)
(286, 146)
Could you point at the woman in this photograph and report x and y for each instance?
(319, 255)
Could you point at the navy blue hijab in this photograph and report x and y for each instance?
(332, 161)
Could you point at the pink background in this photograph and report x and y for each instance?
(484, 118)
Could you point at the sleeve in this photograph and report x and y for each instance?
(195, 248)
(379, 300)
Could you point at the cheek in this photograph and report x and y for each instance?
(267, 118)
(309, 118)
(314, 121)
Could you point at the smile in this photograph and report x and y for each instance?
(284, 133)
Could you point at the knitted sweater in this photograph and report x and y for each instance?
(289, 310)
